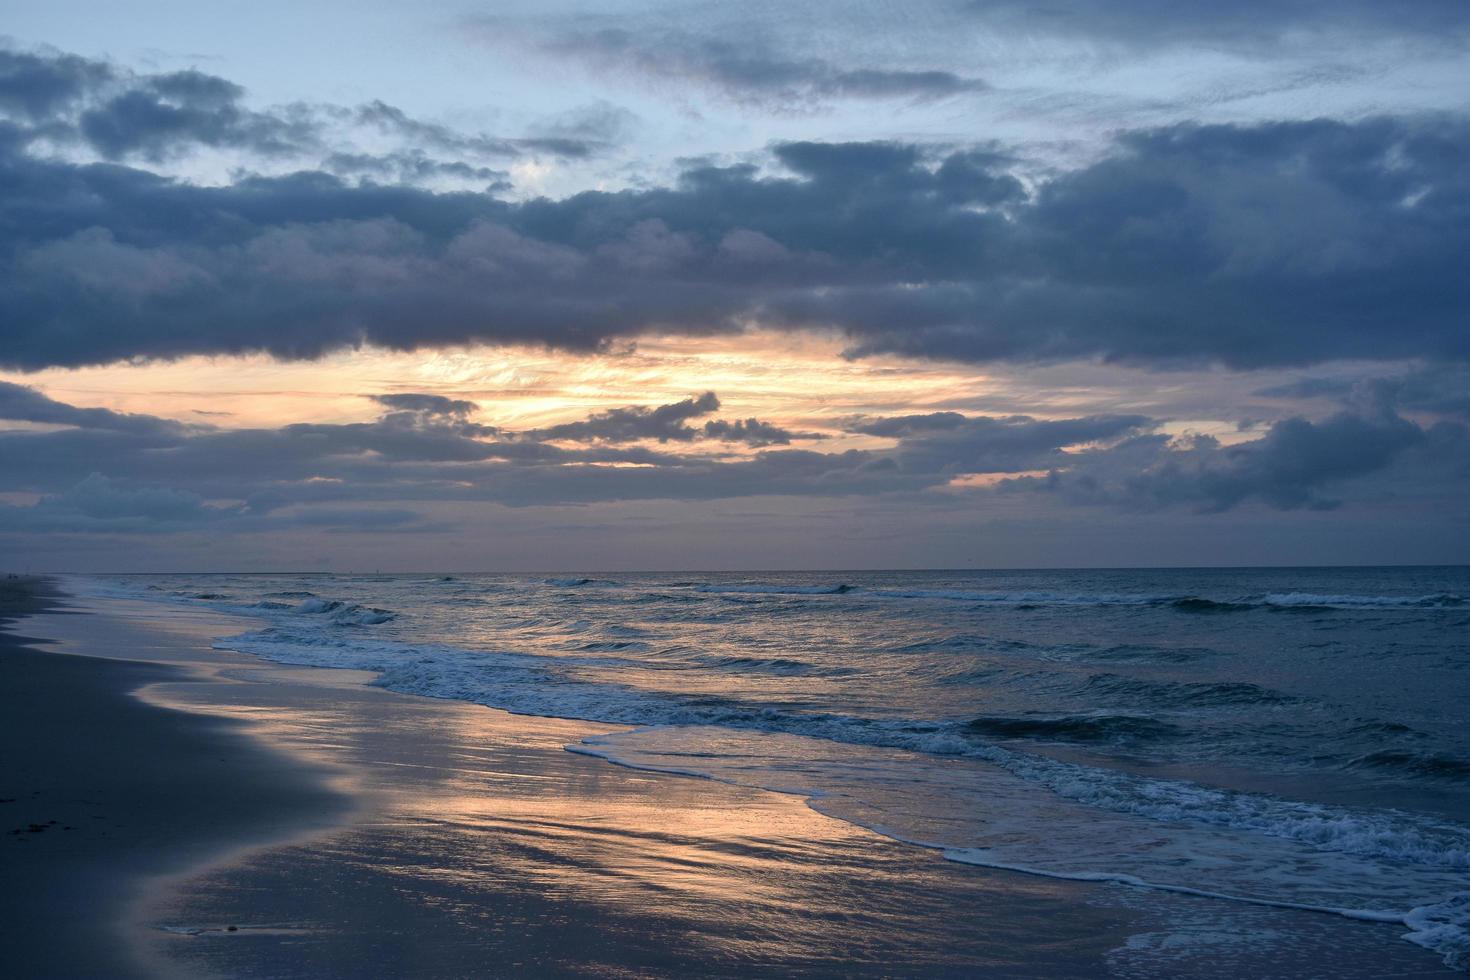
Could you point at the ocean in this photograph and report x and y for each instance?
(1279, 737)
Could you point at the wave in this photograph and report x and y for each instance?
(1434, 765)
(1287, 600)
(1443, 927)
(1295, 601)
(1020, 598)
(781, 666)
(1067, 652)
(1186, 694)
(612, 646)
(1197, 604)
(960, 642)
(345, 613)
(1074, 728)
(576, 583)
(758, 589)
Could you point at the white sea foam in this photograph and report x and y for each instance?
(987, 817)
(1288, 599)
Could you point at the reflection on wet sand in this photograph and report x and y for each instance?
(479, 846)
(485, 835)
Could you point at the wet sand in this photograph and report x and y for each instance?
(344, 830)
(99, 792)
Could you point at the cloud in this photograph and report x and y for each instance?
(631, 424)
(24, 404)
(40, 85)
(125, 116)
(160, 114)
(1291, 467)
(428, 404)
(1437, 389)
(413, 167)
(1153, 23)
(746, 69)
(754, 432)
(669, 423)
(906, 425)
(423, 451)
(96, 504)
(394, 121)
(1248, 246)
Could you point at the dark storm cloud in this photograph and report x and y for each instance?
(747, 69)
(1272, 244)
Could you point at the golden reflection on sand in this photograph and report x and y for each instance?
(467, 818)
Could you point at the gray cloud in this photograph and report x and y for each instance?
(669, 423)
(429, 404)
(122, 115)
(1249, 22)
(747, 69)
(754, 432)
(392, 120)
(1438, 389)
(160, 114)
(423, 452)
(664, 423)
(23, 404)
(40, 85)
(906, 425)
(1291, 467)
(1274, 244)
(412, 167)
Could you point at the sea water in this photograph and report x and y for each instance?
(1286, 737)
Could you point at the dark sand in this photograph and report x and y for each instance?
(476, 846)
(99, 791)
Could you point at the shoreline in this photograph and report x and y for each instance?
(104, 793)
(471, 829)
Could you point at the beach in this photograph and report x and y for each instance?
(207, 813)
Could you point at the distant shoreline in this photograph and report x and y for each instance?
(979, 569)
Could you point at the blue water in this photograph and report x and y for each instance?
(1282, 736)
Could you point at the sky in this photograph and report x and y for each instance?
(570, 286)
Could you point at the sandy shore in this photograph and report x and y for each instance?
(344, 830)
(100, 792)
